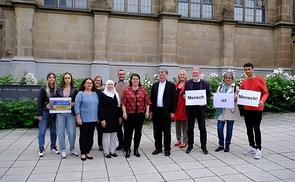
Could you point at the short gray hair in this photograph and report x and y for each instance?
(162, 70)
(229, 73)
(197, 68)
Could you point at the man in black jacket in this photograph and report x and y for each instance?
(197, 111)
(163, 97)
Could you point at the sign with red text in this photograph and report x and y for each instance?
(249, 98)
(223, 100)
(195, 97)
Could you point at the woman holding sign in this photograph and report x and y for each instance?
(66, 122)
(227, 115)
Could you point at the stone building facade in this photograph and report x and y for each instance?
(98, 37)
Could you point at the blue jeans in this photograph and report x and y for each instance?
(66, 122)
(229, 132)
(43, 124)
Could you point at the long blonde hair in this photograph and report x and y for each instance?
(47, 84)
(185, 74)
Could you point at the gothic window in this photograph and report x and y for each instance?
(133, 6)
(77, 4)
(195, 8)
(249, 11)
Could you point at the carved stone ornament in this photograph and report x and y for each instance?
(228, 12)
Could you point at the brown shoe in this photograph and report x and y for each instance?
(177, 143)
(183, 145)
(100, 148)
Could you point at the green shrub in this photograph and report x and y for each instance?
(281, 89)
(41, 82)
(18, 114)
(7, 80)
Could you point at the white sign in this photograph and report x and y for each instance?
(249, 98)
(195, 97)
(60, 105)
(223, 100)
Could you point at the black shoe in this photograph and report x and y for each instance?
(226, 149)
(167, 153)
(114, 154)
(189, 150)
(127, 155)
(219, 149)
(136, 153)
(205, 151)
(108, 156)
(83, 158)
(120, 147)
(155, 152)
(89, 157)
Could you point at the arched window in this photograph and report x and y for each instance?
(77, 4)
(195, 8)
(249, 11)
(133, 6)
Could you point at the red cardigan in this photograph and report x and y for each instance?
(129, 100)
(180, 107)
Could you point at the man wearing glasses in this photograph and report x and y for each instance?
(120, 86)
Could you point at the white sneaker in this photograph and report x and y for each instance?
(74, 153)
(54, 150)
(63, 154)
(41, 153)
(258, 154)
(251, 150)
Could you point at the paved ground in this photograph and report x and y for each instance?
(19, 159)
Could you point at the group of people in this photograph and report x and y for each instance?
(127, 104)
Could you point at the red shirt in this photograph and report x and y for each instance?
(130, 99)
(255, 84)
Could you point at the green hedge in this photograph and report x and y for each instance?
(18, 114)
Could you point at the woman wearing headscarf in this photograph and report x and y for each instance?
(110, 116)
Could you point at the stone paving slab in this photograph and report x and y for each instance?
(19, 159)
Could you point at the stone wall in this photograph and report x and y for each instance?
(198, 44)
(130, 40)
(63, 37)
(98, 41)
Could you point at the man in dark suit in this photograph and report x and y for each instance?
(163, 97)
(197, 111)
